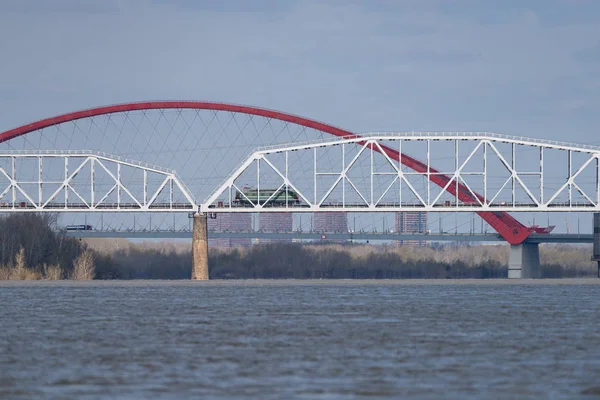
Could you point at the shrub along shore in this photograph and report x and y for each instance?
(31, 249)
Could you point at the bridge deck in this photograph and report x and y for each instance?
(439, 237)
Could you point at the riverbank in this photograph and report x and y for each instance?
(153, 260)
(186, 283)
(32, 249)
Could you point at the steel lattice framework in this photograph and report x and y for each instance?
(287, 194)
(89, 182)
(191, 137)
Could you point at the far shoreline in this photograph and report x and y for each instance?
(303, 282)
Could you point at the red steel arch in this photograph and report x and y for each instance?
(508, 227)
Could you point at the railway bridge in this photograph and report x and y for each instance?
(201, 158)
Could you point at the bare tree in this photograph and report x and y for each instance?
(83, 267)
(19, 270)
(20, 264)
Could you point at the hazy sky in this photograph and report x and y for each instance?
(528, 68)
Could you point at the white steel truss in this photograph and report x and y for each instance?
(374, 172)
(524, 179)
(87, 181)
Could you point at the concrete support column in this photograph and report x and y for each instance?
(524, 261)
(200, 248)
(596, 255)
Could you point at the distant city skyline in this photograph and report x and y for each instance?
(411, 222)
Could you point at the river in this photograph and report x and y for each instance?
(300, 339)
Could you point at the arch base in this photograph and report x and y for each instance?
(524, 261)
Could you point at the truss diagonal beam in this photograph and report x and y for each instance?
(362, 197)
(514, 173)
(570, 179)
(51, 183)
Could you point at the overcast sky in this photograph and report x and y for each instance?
(528, 68)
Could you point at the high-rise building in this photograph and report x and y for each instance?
(411, 222)
(229, 222)
(330, 222)
(275, 222)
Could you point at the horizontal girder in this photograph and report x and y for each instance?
(404, 208)
(298, 235)
(440, 136)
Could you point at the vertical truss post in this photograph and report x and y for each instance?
(258, 182)
(541, 175)
(171, 193)
(429, 172)
(66, 182)
(315, 175)
(400, 171)
(92, 178)
(455, 172)
(40, 175)
(570, 178)
(485, 146)
(598, 185)
(344, 176)
(286, 187)
(372, 172)
(119, 185)
(14, 180)
(145, 188)
(514, 177)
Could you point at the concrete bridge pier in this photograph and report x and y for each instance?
(200, 248)
(524, 261)
(596, 256)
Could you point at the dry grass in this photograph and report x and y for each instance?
(111, 246)
(30, 275)
(107, 246)
(568, 256)
(471, 256)
(83, 267)
(52, 272)
(19, 271)
(5, 272)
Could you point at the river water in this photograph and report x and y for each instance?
(300, 339)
